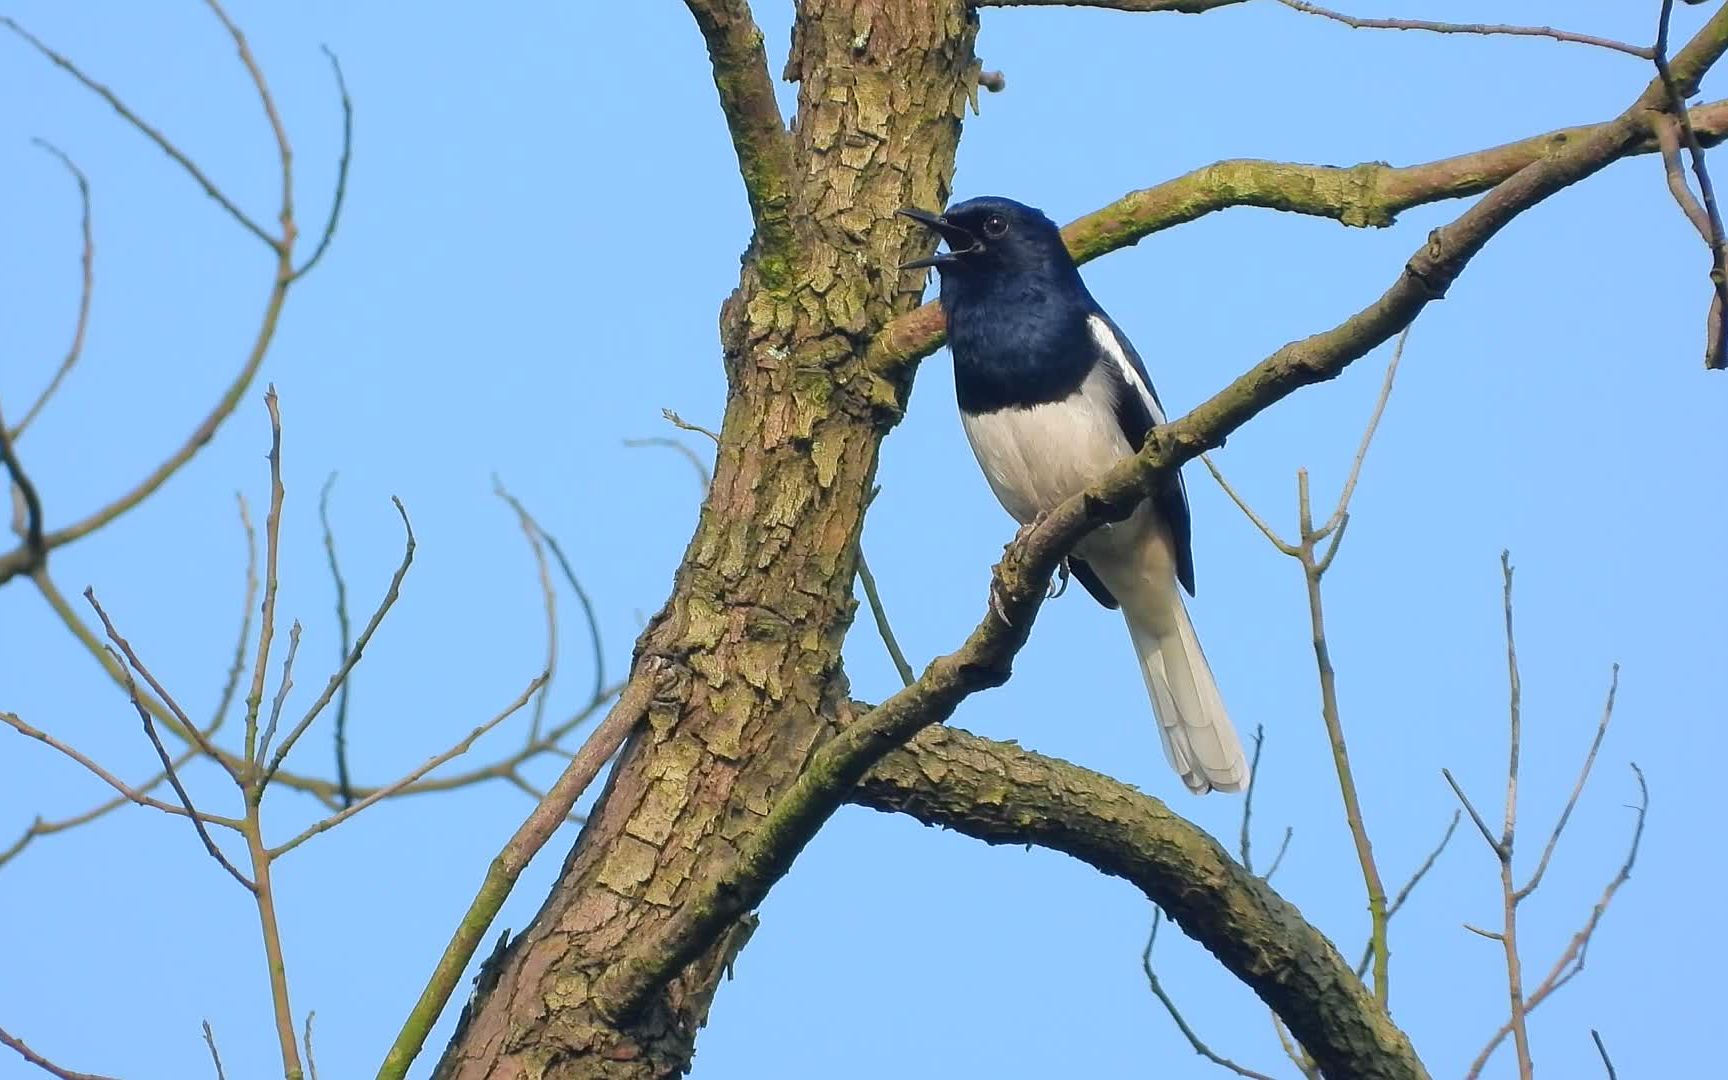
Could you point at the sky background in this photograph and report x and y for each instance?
(542, 221)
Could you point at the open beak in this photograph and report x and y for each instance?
(959, 241)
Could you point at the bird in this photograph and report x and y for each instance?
(1051, 395)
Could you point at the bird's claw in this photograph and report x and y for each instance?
(996, 603)
(1060, 584)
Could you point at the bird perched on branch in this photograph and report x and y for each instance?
(1051, 396)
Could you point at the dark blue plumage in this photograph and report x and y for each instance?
(1052, 395)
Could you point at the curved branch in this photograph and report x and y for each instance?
(1369, 195)
(759, 133)
(1002, 794)
(1020, 580)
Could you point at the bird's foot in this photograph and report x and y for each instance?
(997, 601)
(1060, 584)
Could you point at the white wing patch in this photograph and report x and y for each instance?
(1112, 347)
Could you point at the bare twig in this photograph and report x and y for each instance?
(519, 850)
(431, 763)
(341, 192)
(267, 618)
(548, 601)
(311, 1062)
(883, 627)
(703, 477)
(1409, 886)
(1607, 1062)
(1278, 858)
(1481, 826)
(1248, 511)
(1342, 510)
(86, 290)
(1577, 788)
(162, 142)
(17, 724)
(1716, 349)
(1485, 29)
(1571, 959)
(600, 691)
(193, 734)
(1245, 846)
(1169, 1004)
(341, 676)
(286, 684)
(215, 1057)
(31, 1056)
(192, 813)
(1509, 892)
(345, 633)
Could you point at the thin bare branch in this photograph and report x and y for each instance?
(311, 1062)
(431, 763)
(193, 734)
(599, 691)
(1571, 959)
(1245, 844)
(341, 676)
(1602, 1051)
(1577, 788)
(286, 684)
(883, 628)
(162, 142)
(284, 153)
(31, 1056)
(1484, 29)
(192, 813)
(1182, 1025)
(1342, 510)
(703, 477)
(1278, 858)
(86, 291)
(548, 601)
(1242, 504)
(1409, 886)
(341, 192)
(345, 635)
(215, 1056)
(1716, 348)
(1481, 826)
(17, 724)
(267, 618)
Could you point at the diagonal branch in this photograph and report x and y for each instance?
(1181, 7)
(1483, 29)
(759, 134)
(985, 659)
(1002, 794)
(86, 290)
(1371, 194)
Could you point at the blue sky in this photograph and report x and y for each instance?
(542, 221)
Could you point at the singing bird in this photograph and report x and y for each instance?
(1051, 396)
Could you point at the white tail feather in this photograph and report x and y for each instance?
(1198, 737)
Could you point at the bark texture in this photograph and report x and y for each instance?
(750, 639)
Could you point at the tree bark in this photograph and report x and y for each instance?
(747, 649)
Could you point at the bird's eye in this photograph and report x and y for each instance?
(995, 225)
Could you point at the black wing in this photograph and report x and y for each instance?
(1138, 416)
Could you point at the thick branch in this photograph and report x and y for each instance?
(1371, 194)
(984, 660)
(1001, 794)
(758, 133)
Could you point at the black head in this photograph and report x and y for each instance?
(992, 235)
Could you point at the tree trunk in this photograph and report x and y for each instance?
(746, 653)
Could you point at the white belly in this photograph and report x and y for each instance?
(1037, 458)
